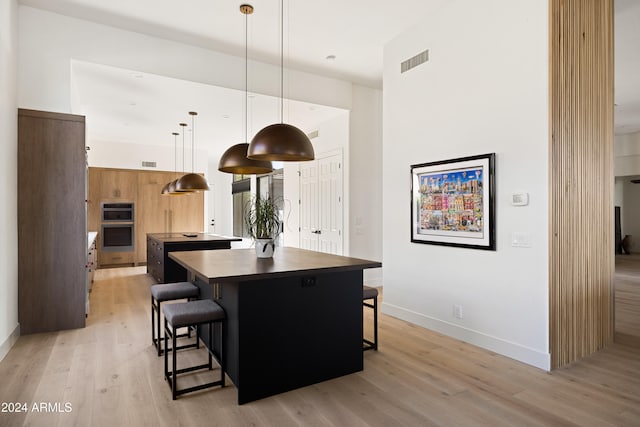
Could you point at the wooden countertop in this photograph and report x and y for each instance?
(243, 264)
(191, 237)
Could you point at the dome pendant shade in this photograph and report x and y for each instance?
(171, 189)
(235, 160)
(165, 189)
(281, 142)
(191, 182)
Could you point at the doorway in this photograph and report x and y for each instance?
(321, 203)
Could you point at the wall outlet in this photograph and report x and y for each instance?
(457, 311)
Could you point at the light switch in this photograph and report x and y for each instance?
(521, 239)
(520, 199)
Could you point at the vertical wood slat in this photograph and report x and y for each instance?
(580, 178)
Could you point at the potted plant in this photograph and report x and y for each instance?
(263, 224)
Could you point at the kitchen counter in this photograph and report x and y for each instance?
(291, 321)
(191, 237)
(159, 245)
(91, 238)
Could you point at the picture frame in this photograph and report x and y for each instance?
(453, 202)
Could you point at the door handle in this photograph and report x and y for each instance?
(317, 232)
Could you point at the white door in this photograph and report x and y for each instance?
(321, 205)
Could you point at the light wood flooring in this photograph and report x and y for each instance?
(110, 375)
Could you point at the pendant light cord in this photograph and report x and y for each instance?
(183, 131)
(246, 74)
(175, 154)
(281, 61)
(193, 147)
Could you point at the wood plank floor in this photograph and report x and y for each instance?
(110, 375)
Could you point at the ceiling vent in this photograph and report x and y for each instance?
(313, 134)
(149, 164)
(413, 62)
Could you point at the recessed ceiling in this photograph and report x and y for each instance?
(140, 108)
(354, 32)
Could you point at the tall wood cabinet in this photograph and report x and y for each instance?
(52, 221)
(154, 212)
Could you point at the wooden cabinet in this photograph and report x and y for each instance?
(154, 212)
(158, 213)
(118, 184)
(52, 221)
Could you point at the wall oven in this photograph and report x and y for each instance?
(118, 232)
(117, 212)
(117, 237)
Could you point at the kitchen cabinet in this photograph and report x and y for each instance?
(154, 212)
(159, 213)
(165, 270)
(52, 221)
(118, 184)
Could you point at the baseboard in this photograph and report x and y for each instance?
(9, 342)
(515, 351)
(373, 277)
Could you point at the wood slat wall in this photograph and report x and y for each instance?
(581, 178)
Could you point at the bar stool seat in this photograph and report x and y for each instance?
(187, 314)
(168, 292)
(369, 293)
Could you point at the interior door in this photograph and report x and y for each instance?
(321, 205)
(309, 205)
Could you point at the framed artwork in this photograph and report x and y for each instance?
(452, 202)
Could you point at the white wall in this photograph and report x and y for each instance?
(484, 90)
(627, 154)
(111, 154)
(9, 328)
(630, 209)
(365, 151)
(48, 43)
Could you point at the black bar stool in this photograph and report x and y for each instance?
(188, 314)
(169, 292)
(369, 293)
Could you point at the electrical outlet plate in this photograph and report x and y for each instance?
(520, 199)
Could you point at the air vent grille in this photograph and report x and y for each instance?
(149, 164)
(413, 62)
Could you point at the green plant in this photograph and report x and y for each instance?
(262, 218)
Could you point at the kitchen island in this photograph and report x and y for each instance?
(159, 245)
(291, 321)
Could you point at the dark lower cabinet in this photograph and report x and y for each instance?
(287, 332)
(165, 270)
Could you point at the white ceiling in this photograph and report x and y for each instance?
(129, 106)
(355, 31)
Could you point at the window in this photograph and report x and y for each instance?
(241, 193)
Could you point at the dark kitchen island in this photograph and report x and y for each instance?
(291, 321)
(159, 245)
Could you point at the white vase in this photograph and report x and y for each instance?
(265, 248)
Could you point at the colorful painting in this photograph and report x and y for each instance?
(452, 202)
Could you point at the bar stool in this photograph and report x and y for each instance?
(369, 293)
(187, 314)
(169, 292)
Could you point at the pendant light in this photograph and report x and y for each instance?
(281, 141)
(192, 182)
(173, 189)
(170, 189)
(235, 160)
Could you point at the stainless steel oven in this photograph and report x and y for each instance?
(117, 237)
(118, 231)
(117, 212)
